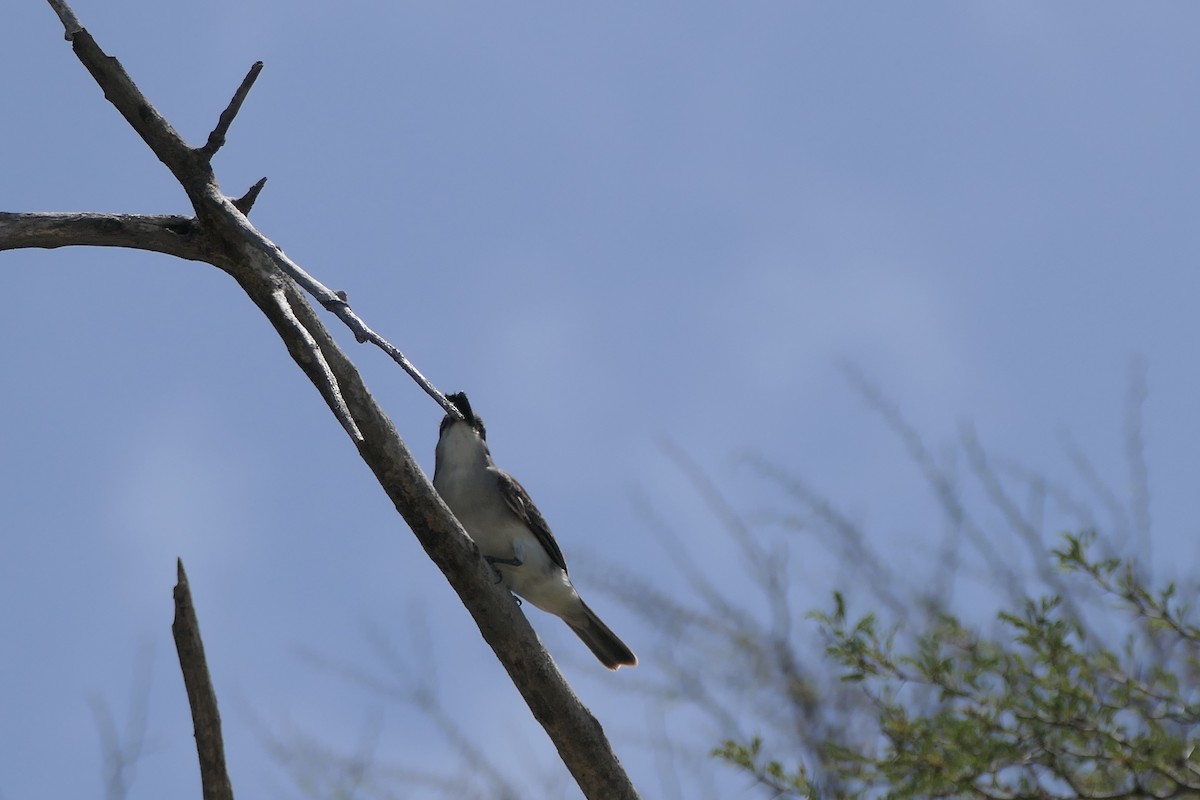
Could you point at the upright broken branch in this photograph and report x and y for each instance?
(206, 720)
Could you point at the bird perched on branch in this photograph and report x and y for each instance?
(511, 533)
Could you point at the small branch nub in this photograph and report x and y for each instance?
(246, 201)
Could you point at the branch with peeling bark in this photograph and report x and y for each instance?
(221, 235)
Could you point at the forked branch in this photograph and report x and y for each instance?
(220, 234)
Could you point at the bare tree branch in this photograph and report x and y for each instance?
(201, 697)
(227, 240)
(193, 169)
(68, 18)
(165, 233)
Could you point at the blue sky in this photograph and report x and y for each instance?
(611, 225)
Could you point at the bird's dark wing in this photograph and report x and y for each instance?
(518, 500)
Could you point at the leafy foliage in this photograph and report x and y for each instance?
(1044, 708)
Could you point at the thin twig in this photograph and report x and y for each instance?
(1139, 473)
(329, 382)
(217, 138)
(67, 16)
(335, 302)
(1117, 536)
(341, 309)
(943, 487)
(201, 696)
(1019, 524)
(121, 754)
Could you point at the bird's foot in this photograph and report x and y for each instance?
(518, 557)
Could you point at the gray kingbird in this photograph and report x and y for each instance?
(511, 533)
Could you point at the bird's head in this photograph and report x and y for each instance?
(460, 401)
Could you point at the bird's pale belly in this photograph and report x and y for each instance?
(538, 579)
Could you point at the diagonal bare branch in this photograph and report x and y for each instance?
(327, 381)
(190, 168)
(226, 239)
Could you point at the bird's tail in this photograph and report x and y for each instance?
(611, 651)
